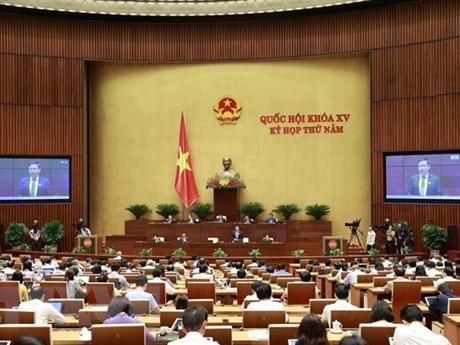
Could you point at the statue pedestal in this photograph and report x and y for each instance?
(227, 202)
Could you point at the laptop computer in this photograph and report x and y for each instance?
(177, 325)
(57, 305)
(429, 300)
(292, 341)
(5, 342)
(47, 270)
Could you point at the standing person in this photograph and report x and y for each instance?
(43, 311)
(194, 322)
(370, 239)
(390, 240)
(311, 331)
(34, 235)
(120, 311)
(413, 330)
(423, 183)
(34, 185)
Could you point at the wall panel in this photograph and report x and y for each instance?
(414, 79)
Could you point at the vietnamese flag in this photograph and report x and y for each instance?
(185, 181)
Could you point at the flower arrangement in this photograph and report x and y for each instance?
(225, 183)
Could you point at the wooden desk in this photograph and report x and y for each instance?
(373, 294)
(452, 328)
(357, 291)
(71, 337)
(329, 288)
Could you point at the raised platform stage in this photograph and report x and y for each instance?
(306, 235)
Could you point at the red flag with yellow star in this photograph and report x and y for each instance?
(185, 181)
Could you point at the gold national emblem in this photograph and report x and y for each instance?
(227, 110)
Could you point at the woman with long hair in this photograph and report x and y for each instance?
(17, 276)
(311, 331)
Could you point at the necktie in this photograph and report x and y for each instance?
(423, 186)
(33, 190)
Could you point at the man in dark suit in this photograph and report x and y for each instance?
(183, 238)
(438, 307)
(237, 234)
(423, 183)
(34, 185)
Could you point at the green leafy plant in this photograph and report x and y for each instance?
(298, 252)
(406, 250)
(49, 248)
(317, 211)
(252, 209)
(52, 232)
(255, 253)
(110, 251)
(373, 251)
(138, 210)
(24, 246)
(434, 236)
(219, 253)
(79, 249)
(146, 252)
(335, 252)
(167, 209)
(287, 210)
(202, 210)
(15, 234)
(179, 252)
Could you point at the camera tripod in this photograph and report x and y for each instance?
(354, 237)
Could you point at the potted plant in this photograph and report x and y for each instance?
(286, 210)
(79, 249)
(52, 232)
(219, 253)
(373, 251)
(167, 209)
(179, 252)
(298, 252)
(255, 253)
(317, 211)
(138, 210)
(252, 209)
(24, 246)
(49, 248)
(15, 234)
(336, 252)
(110, 251)
(202, 210)
(434, 237)
(146, 252)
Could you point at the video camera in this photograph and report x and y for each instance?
(354, 224)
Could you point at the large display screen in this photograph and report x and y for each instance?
(34, 179)
(422, 176)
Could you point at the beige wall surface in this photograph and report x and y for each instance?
(134, 118)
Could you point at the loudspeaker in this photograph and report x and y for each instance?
(451, 237)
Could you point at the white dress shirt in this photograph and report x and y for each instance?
(417, 334)
(193, 338)
(43, 312)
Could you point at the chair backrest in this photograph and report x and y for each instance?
(262, 318)
(89, 317)
(377, 334)
(13, 332)
(274, 277)
(317, 304)
(220, 334)
(140, 306)
(280, 333)
(283, 281)
(9, 316)
(99, 293)
(172, 276)
(167, 317)
(405, 292)
(206, 303)
(351, 318)
(130, 277)
(235, 281)
(195, 280)
(427, 281)
(453, 306)
(158, 290)
(119, 334)
(266, 276)
(243, 289)
(381, 281)
(9, 297)
(201, 290)
(92, 277)
(69, 305)
(54, 289)
(53, 277)
(300, 292)
(455, 285)
(366, 278)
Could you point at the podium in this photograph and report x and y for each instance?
(227, 202)
(91, 243)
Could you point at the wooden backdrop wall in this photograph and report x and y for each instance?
(415, 83)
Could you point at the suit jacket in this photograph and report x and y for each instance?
(237, 237)
(433, 188)
(43, 188)
(439, 305)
